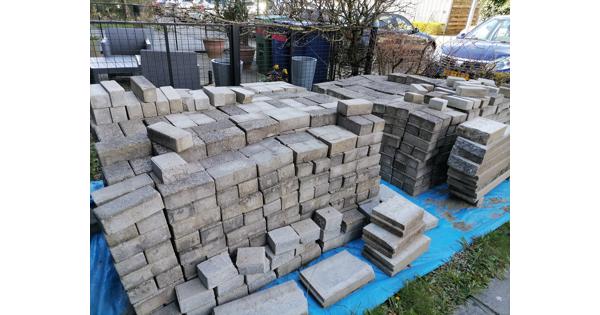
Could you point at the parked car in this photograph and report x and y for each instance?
(480, 52)
(400, 45)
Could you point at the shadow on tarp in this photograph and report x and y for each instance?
(458, 220)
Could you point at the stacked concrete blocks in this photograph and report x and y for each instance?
(138, 237)
(480, 159)
(395, 237)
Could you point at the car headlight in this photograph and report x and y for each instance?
(502, 64)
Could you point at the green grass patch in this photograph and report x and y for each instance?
(446, 288)
(95, 168)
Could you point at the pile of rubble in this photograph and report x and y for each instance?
(421, 118)
(257, 173)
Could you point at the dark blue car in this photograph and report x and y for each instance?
(480, 52)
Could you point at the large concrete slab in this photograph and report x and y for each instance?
(333, 278)
(283, 299)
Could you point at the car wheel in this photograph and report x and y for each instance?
(426, 60)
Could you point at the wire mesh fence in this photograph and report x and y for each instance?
(191, 55)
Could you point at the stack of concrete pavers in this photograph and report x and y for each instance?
(330, 222)
(334, 278)
(219, 274)
(480, 159)
(135, 229)
(251, 163)
(253, 263)
(283, 299)
(395, 237)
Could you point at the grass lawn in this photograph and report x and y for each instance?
(446, 288)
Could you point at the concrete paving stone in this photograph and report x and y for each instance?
(107, 132)
(118, 114)
(418, 88)
(169, 167)
(397, 215)
(356, 124)
(180, 120)
(140, 243)
(481, 130)
(111, 192)
(234, 294)
(271, 194)
(286, 172)
(191, 209)
(187, 100)
(323, 117)
(152, 222)
(128, 209)
(216, 270)
(101, 116)
(169, 277)
(193, 294)
(153, 303)
(131, 264)
(220, 140)
(232, 173)
(388, 243)
(458, 102)
(413, 97)
(162, 104)
(253, 215)
(117, 172)
(283, 299)
(228, 196)
(197, 186)
(133, 106)
(269, 155)
(472, 91)
(272, 207)
(352, 220)
(143, 88)
(203, 218)
(115, 92)
(149, 110)
(248, 187)
(304, 169)
(307, 229)
(338, 139)
(256, 126)
(200, 119)
(142, 291)
(259, 280)
(353, 107)
(369, 139)
(289, 118)
(282, 240)
(438, 103)
(289, 267)
(311, 252)
(305, 146)
(186, 242)
(275, 220)
(333, 278)
(268, 180)
(242, 96)
(229, 285)
(327, 235)
(328, 219)
(289, 200)
(121, 236)
(321, 165)
(215, 114)
(174, 99)
(172, 137)
(252, 260)
(220, 96)
(378, 123)
(169, 309)
(99, 97)
(391, 266)
(201, 100)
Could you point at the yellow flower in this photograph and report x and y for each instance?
(276, 67)
(285, 71)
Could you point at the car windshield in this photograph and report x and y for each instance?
(492, 30)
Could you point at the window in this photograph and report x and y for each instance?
(484, 31)
(503, 32)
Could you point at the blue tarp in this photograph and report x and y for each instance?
(457, 221)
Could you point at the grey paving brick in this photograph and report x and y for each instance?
(172, 137)
(193, 294)
(328, 219)
(118, 114)
(353, 107)
(391, 266)
(143, 88)
(252, 260)
(174, 99)
(289, 118)
(216, 270)
(220, 96)
(259, 280)
(169, 167)
(338, 139)
(115, 91)
(333, 278)
(283, 299)
(101, 116)
(99, 97)
(197, 186)
(283, 239)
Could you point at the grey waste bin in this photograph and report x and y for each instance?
(222, 71)
(303, 71)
